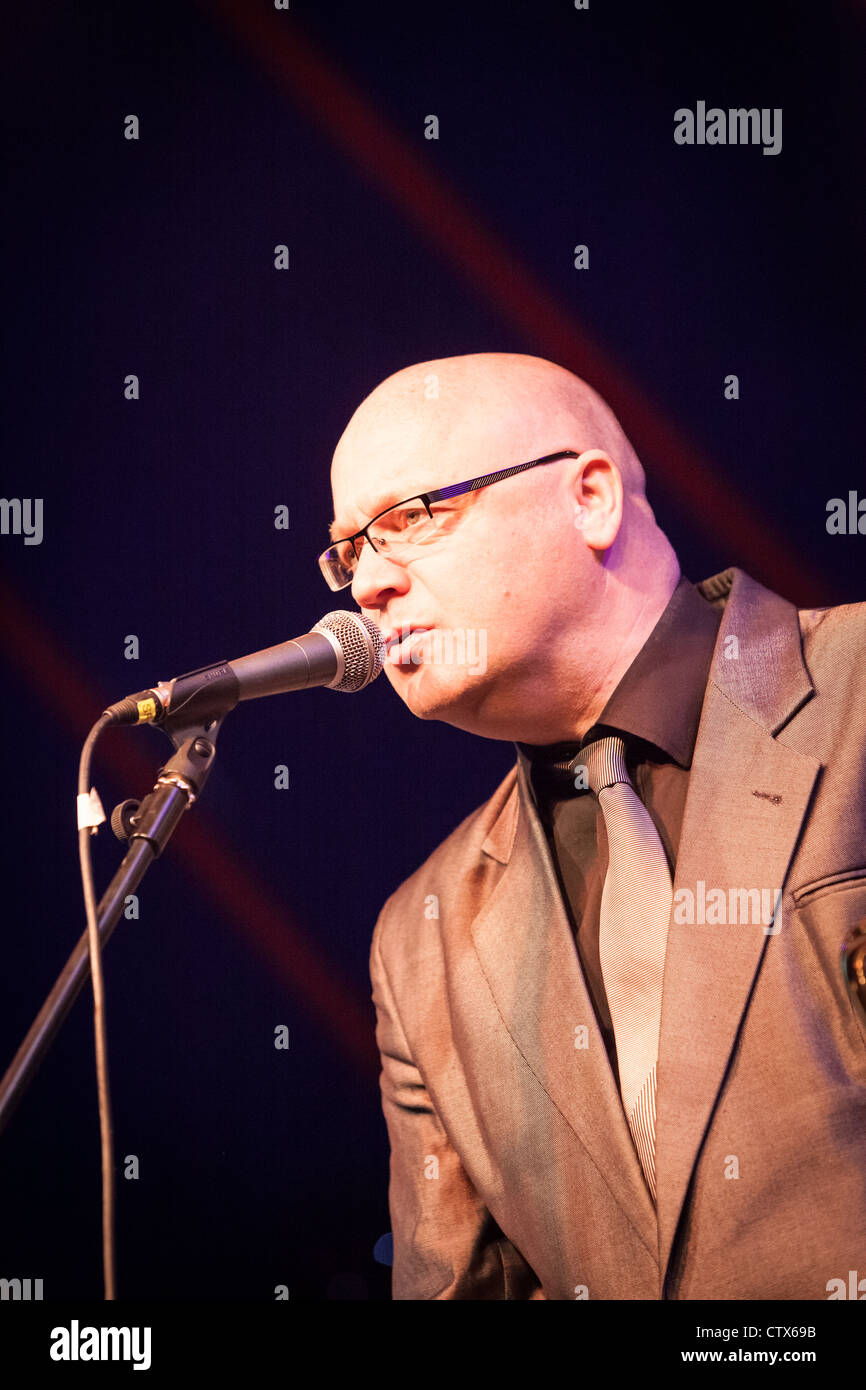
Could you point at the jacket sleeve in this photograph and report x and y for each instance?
(446, 1243)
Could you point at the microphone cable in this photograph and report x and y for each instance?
(90, 817)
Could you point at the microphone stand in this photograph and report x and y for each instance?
(148, 826)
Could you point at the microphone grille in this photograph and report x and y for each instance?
(361, 644)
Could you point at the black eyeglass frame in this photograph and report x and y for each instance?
(441, 494)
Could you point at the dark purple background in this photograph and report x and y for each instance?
(261, 1167)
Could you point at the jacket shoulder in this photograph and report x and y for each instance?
(843, 625)
(834, 643)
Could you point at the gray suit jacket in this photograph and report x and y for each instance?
(513, 1174)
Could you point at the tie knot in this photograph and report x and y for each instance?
(604, 761)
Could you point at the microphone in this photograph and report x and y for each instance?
(344, 651)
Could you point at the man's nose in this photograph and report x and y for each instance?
(375, 576)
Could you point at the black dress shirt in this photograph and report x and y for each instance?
(656, 708)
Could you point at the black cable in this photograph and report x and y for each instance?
(105, 1126)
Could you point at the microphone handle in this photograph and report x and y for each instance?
(211, 691)
(314, 659)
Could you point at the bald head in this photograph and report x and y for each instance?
(557, 569)
(490, 408)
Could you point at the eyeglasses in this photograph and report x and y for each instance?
(397, 530)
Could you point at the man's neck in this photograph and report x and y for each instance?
(641, 620)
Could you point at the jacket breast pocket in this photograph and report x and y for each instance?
(829, 909)
(845, 879)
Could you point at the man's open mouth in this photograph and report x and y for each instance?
(401, 642)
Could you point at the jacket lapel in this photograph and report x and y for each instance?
(748, 794)
(747, 797)
(524, 942)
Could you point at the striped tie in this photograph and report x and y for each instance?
(635, 910)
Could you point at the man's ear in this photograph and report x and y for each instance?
(597, 496)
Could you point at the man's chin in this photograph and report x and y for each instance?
(430, 692)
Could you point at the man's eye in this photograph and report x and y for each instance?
(404, 518)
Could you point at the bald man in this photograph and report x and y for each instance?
(619, 1057)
